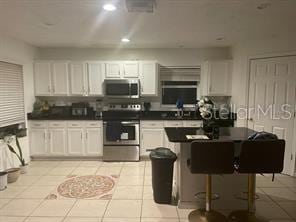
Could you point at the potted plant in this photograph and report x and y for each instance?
(3, 180)
(19, 155)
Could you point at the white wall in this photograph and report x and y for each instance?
(241, 54)
(15, 51)
(167, 57)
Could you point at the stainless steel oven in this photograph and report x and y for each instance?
(122, 88)
(121, 133)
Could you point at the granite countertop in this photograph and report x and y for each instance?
(178, 134)
(65, 117)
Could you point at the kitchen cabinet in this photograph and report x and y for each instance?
(122, 69)
(57, 141)
(51, 78)
(77, 78)
(149, 78)
(216, 78)
(94, 137)
(42, 78)
(66, 138)
(38, 142)
(95, 78)
(152, 136)
(113, 70)
(75, 141)
(60, 79)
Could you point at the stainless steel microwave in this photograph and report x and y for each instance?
(122, 88)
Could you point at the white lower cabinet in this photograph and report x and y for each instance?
(66, 138)
(151, 139)
(57, 141)
(38, 141)
(93, 138)
(75, 141)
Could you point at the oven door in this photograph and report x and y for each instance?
(129, 134)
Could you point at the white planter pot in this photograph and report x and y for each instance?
(24, 169)
(3, 180)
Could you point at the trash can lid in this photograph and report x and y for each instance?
(162, 153)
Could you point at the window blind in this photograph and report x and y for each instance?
(11, 94)
(185, 73)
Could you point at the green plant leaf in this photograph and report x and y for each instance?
(19, 147)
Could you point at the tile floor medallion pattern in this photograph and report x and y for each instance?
(96, 191)
(82, 187)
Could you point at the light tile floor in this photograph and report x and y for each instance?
(131, 200)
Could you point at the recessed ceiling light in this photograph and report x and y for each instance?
(125, 40)
(109, 7)
(219, 39)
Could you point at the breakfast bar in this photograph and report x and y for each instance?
(230, 188)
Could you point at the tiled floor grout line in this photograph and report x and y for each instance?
(143, 183)
(76, 200)
(276, 202)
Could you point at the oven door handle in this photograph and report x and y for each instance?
(125, 123)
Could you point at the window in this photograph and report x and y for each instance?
(11, 94)
(179, 83)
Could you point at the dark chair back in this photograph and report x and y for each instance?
(262, 156)
(212, 157)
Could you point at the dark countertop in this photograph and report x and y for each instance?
(236, 134)
(151, 115)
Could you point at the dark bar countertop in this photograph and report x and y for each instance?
(236, 134)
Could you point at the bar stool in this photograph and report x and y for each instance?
(257, 156)
(210, 157)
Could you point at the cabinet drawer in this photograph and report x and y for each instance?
(173, 123)
(57, 124)
(74, 124)
(38, 124)
(196, 123)
(95, 124)
(152, 124)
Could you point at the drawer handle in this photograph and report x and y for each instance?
(74, 125)
(37, 124)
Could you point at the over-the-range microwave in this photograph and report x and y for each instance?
(122, 88)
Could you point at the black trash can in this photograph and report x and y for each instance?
(162, 161)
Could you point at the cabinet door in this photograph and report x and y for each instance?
(149, 78)
(130, 69)
(77, 75)
(60, 79)
(95, 78)
(94, 141)
(113, 70)
(42, 73)
(38, 142)
(57, 142)
(219, 73)
(150, 139)
(75, 141)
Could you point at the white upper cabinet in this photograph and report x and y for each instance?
(113, 70)
(95, 78)
(42, 76)
(60, 83)
(216, 78)
(130, 69)
(77, 78)
(149, 78)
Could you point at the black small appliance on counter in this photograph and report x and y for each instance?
(81, 109)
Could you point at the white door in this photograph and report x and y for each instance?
(38, 142)
(94, 141)
(95, 78)
(149, 78)
(60, 79)
(272, 88)
(219, 73)
(75, 141)
(77, 76)
(113, 70)
(151, 139)
(42, 73)
(57, 142)
(130, 69)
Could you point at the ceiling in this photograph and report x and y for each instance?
(174, 23)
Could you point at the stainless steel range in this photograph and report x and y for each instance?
(121, 132)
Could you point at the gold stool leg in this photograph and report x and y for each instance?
(207, 215)
(248, 215)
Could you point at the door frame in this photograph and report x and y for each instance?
(267, 56)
